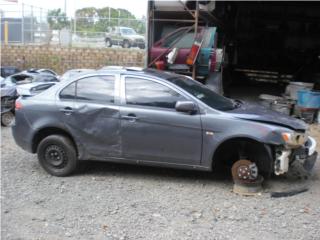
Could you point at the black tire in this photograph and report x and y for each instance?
(108, 42)
(126, 44)
(7, 119)
(57, 155)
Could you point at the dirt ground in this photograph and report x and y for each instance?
(113, 201)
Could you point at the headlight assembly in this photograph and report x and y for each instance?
(294, 139)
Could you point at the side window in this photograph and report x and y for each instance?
(186, 41)
(169, 40)
(97, 89)
(69, 92)
(148, 93)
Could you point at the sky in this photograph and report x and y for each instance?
(137, 7)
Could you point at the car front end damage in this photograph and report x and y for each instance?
(299, 151)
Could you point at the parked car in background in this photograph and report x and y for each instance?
(73, 72)
(156, 118)
(125, 37)
(8, 97)
(28, 77)
(8, 70)
(30, 89)
(42, 70)
(23, 83)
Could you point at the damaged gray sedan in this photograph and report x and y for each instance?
(155, 118)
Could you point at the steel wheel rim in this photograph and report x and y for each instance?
(55, 156)
(7, 119)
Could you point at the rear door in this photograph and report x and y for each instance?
(91, 114)
(151, 129)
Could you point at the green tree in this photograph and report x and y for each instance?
(98, 19)
(57, 19)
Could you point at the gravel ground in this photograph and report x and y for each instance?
(110, 201)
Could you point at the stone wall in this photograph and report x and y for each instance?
(61, 59)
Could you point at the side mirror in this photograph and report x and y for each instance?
(186, 106)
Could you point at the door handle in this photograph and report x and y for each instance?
(67, 110)
(131, 117)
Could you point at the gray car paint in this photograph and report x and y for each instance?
(157, 137)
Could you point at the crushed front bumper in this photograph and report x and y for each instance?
(305, 156)
(302, 158)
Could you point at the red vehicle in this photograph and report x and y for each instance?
(187, 46)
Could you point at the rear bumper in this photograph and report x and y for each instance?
(25, 145)
(139, 45)
(22, 133)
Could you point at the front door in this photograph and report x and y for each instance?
(151, 129)
(92, 115)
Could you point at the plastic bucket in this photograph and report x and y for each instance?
(308, 99)
(294, 87)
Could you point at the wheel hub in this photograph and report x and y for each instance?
(7, 119)
(55, 156)
(244, 171)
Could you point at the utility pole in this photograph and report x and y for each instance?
(22, 24)
(32, 23)
(75, 18)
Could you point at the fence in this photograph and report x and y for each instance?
(61, 59)
(34, 25)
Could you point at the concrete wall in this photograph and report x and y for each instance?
(61, 59)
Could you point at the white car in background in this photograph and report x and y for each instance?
(36, 83)
(73, 72)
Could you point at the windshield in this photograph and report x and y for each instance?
(203, 93)
(128, 31)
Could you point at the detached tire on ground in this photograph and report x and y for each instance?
(7, 119)
(57, 155)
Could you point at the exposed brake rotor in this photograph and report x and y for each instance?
(244, 171)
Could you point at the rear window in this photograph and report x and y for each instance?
(91, 89)
(97, 88)
(68, 92)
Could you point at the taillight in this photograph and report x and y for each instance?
(192, 57)
(18, 105)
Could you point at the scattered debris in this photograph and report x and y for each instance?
(289, 193)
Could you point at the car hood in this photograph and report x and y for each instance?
(262, 114)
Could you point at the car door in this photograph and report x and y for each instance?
(92, 115)
(151, 128)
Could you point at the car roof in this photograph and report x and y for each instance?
(116, 70)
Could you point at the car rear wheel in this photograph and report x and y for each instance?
(57, 155)
(126, 44)
(108, 43)
(7, 119)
